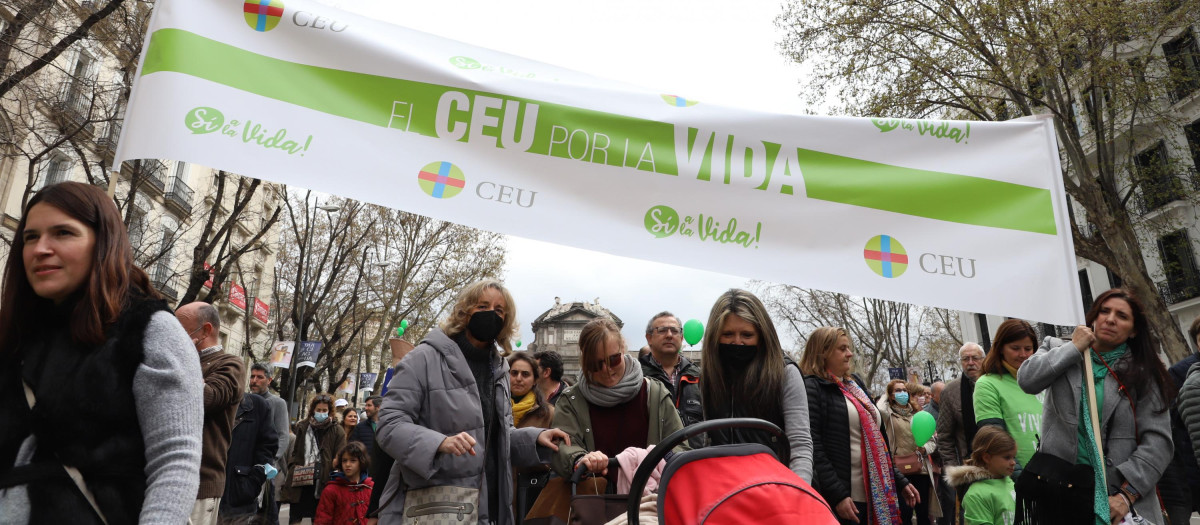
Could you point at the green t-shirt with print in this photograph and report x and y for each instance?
(990, 502)
(998, 396)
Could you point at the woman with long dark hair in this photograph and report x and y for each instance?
(101, 396)
(743, 374)
(1132, 396)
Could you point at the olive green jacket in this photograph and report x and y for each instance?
(571, 416)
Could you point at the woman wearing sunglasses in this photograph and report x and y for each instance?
(612, 408)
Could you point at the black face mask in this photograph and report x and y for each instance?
(485, 325)
(736, 356)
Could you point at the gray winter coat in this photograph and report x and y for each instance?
(432, 396)
(1060, 373)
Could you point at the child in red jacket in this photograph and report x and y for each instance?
(346, 497)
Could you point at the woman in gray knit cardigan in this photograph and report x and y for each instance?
(101, 394)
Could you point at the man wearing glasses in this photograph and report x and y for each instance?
(956, 414)
(666, 363)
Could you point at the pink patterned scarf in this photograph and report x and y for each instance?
(877, 462)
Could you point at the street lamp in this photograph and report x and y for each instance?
(293, 407)
(382, 265)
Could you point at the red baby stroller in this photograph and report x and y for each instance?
(728, 484)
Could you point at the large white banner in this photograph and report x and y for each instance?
(963, 215)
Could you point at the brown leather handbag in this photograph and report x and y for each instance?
(908, 463)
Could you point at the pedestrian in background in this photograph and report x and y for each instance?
(318, 438)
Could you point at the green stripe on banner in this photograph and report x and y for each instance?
(369, 98)
(932, 194)
(630, 141)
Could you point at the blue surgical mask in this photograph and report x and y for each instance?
(901, 398)
(320, 417)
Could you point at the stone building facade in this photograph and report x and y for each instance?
(558, 329)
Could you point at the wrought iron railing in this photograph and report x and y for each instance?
(1164, 189)
(180, 196)
(1181, 287)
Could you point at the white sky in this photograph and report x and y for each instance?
(719, 52)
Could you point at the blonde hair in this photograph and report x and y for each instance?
(817, 348)
(592, 339)
(464, 307)
(991, 440)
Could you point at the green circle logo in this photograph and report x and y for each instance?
(203, 120)
(661, 221)
(262, 15)
(462, 62)
(886, 256)
(441, 180)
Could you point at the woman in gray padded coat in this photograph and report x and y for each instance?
(1136, 434)
(447, 416)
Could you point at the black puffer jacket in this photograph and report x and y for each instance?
(831, 439)
(685, 392)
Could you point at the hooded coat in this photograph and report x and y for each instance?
(433, 395)
(344, 501)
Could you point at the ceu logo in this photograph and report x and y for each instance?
(679, 102)
(262, 15)
(441, 180)
(886, 256)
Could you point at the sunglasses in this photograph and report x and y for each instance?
(667, 330)
(520, 373)
(611, 361)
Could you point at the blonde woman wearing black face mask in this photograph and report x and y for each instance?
(447, 416)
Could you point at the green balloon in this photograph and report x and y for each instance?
(693, 332)
(923, 426)
(404, 324)
(399, 331)
(518, 344)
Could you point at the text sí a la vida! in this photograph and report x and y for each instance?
(203, 120)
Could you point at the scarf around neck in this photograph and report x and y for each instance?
(523, 406)
(1087, 452)
(877, 465)
(625, 390)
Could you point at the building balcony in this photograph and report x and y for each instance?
(72, 102)
(106, 143)
(1179, 288)
(179, 197)
(1165, 189)
(154, 175)
(165, 281)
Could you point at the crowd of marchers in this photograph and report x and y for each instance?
(117, 410)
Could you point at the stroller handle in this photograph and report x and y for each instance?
(582, 470)
(664, 447)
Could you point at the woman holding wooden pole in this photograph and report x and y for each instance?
(1106, 401)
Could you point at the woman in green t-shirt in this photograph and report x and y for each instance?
(999, 400)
